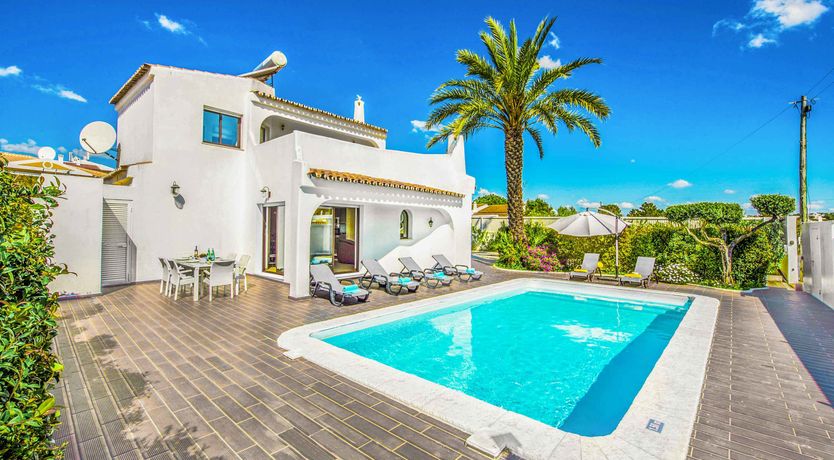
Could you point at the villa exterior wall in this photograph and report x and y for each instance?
(225, 188)
(77, 230)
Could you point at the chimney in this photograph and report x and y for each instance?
(359, 110)
(60, 158)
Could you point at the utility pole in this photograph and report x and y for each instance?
(804, 109)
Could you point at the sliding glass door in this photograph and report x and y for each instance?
(334, 238)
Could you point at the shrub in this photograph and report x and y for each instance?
(676, 273)
(28, 367)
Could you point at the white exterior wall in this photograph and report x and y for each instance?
(77, 230)
(818, 260)
(160, 131)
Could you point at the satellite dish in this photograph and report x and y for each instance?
(46, 153)
(97, 137)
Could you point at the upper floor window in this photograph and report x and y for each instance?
(405, 229)
(221, 128)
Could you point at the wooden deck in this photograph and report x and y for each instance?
(147, 377)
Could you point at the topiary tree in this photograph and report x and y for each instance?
(490, 199)
(720, 225)
(538, 207)
(28, 367)
(647, 209)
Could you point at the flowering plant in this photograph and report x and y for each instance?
(539, 258)
(676, 273)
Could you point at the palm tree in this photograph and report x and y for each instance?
(509, 90)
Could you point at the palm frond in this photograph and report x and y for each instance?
(537, 139)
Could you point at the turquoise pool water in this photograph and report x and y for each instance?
(573, 362)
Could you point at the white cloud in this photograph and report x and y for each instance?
(626, 205)
(632, 161)
(60, 91)
(30, 146)
(585, 203)
(482, 191)
(816, 205)
(543, 196)
(62, 149)
(680, 183)
(547, 63)
(654, 199)
(419, 126)
(747, 206)
(759, 40)
(554, 41)
(767, 19)
(11, 70)
(729, 191)
(170, 25)
(790, 13)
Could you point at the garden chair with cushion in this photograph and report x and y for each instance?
(428, 276)
(643, 270)
(393, 283)
(590, 264)
(322, 280)
(463, 272)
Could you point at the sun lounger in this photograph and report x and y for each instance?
(463, 272)
(322, 280)
(590, 264)
(642, 273)
(428, 276)
(393, 283)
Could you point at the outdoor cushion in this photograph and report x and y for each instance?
(633, 275)
(350, 288)
(580, 270)
(405, 280)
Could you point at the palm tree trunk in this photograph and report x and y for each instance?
(514, 163)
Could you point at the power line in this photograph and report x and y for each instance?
(823, 90)
(820, 81)
(734, 145)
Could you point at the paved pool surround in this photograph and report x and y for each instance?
(669, 395)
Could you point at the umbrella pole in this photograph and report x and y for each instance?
(617, 255)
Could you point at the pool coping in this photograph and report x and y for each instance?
(670, 394)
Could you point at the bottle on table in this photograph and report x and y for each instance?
(196, 252)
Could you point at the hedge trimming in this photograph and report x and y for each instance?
(28, 367)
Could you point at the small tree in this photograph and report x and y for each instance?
(490, 199)
(538, 207)
(28, 367)
(647, 209)
(612, 208)
(565, 211)
(720, 225)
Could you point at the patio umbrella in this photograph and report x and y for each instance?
(590, 223)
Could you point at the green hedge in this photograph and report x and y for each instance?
(28, 367)
(679, 257)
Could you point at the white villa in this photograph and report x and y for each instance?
(220, 161)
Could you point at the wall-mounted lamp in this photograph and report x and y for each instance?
(266, 192)
(431, 222)
(179, 201)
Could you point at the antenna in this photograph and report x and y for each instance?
(97, 138)
(46, 153)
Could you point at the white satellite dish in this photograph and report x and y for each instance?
(46, 153)
(97, 137)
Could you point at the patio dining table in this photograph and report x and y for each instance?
(197, 265)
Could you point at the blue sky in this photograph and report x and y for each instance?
(686, 81)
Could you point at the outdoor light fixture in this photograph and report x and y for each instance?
(266, 192)
(431, 222)
(175, 189)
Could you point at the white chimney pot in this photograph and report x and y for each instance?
(359, 110)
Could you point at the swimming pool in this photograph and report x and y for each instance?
(572, 362)
(548, 369)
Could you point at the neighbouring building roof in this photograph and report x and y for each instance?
(341, 176)
(319, 111)
(34, 165)
(492, 210)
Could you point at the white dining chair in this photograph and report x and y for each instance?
(222, 274)
(240, 273)
(180, 277)
(165, 280)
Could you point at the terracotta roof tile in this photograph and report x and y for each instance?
(341, 176)
(323, 112)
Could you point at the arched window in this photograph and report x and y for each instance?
(405, 228)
